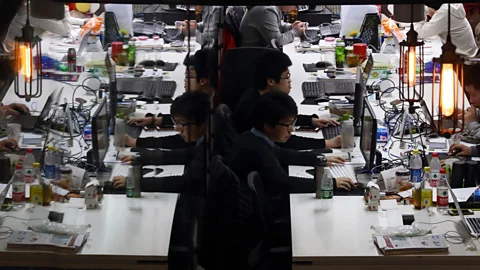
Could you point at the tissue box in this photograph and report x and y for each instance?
(382, 134)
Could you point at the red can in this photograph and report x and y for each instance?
(361, 50)
(117, 48)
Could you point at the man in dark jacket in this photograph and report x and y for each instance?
(272, 74)
(189, 115)
(274, 119)
(201, 75)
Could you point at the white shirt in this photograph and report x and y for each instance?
(460, 30)
(60, 27)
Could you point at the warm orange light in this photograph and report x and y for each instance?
(447, 90)
(412, 66)
(26, 61)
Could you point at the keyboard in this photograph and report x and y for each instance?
(133, 131)
(330, 30)
(474, 223)
(337, 86)
(311, 33)
(338, 171)
(331, 132)
(312, 89)
(165, 89)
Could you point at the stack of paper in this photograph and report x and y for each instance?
(32, 139)
(413, 245)
(46, 241)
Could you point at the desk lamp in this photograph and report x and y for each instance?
(24, 65)
(411, 62)
(451, 94)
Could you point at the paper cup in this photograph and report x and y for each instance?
(14, 131)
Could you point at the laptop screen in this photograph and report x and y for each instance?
(368, 69)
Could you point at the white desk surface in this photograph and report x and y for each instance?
(341, 237)
(125, 234)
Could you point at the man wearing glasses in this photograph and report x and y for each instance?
(272, 74)
(189, 115)
(255, 150)
(198, 77)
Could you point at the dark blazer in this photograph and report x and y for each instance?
(243, 115)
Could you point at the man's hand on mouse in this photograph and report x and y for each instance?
(321, 123)
(334, 143)
(331, 161)
(140, 121)
(345, 183)
(118, 182)
(458, 150)
(15, 109)
(8, 145)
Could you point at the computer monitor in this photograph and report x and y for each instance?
(100, 141)
(368, 139)
(360, 90)
(112, 88)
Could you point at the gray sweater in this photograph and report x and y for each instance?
(474, 126)
(262, 24)
(207, 29)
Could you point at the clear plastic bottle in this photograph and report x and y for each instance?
(119, 130)
(442, 192)
(28, 166)
(415, 167)
(58, 163)
(50, 162)
(327, 190)
(348, 139)
(18, 187)
(434, 169)
(132, 50)
(339, 53)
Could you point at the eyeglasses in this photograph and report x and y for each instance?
(289, 126)
(286, 77)
(182, 125)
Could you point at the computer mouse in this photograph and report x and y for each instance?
(160, 63)
(322, 99)
(176, 43)
(323, 64)
(147, 63)
(21, 112)
(305, 44)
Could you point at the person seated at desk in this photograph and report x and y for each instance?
(472, 89)
(262, 24)
(205, 31)
(13, 109)
(461, 32)
(274, 120)
(201, 79)
(189, 114)
(461, 150)
(273, 75)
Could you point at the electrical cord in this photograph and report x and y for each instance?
(452, 239)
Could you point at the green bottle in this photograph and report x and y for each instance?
(339, 53)
(131, 52)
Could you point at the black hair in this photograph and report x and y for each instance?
(434, 6)
(470, 76)
(270, 65)
(193, 106)
(206, 66)
(273, 107)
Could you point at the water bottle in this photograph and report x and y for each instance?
(442, 192)
(327, 190)
(18, 187)
(50, 162)
(119, 130)
(434, 169)
(427, 192)
(28, 166)
(415, 167)
(130, 183)
(320, 165)
(58, 163)
(131, 52)
(339, 53)
(348, 140)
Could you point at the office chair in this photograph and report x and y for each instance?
(225, 133)
(264, 255)
(237, 73)
(224, 231)
(369, 30)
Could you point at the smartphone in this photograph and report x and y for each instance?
(465, 212)
(307, 129)
(165, 128)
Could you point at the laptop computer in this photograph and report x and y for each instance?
(471, 223)
(29, 122)
(447, 123)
